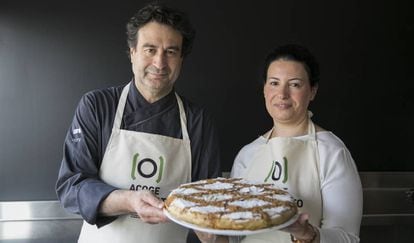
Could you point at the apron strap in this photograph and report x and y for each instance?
(269, 134)
(311, 126)
(183, 118)
(121, 106)
(311, 129)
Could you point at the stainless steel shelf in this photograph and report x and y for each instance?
(386, 198)
(385, 205)
(33, 210)
(37, 221)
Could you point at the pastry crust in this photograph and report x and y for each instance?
(231, 204)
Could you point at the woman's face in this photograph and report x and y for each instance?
(287, 91)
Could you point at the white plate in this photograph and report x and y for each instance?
(229, 232)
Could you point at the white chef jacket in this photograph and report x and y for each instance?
(340, 185)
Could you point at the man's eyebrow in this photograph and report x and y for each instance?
(275, 78)
(176, 48)
(148, 45)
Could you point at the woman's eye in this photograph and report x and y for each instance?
(273, 83)
(296, 85)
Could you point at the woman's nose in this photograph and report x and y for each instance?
(282, 92)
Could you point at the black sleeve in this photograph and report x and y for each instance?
(78, 185)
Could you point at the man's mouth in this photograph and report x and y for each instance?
(156, 72)
(158, 75)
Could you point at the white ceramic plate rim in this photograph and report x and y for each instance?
(229, 232)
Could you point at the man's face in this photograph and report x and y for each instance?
(156, 60)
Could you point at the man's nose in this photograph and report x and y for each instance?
(159, 60)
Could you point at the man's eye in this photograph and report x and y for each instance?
(172, 52)
(149, 51)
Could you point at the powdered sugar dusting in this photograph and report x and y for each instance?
(250, 203)
(285, 197)
(207, 209)
(240, 215)
(186, 191)
(253, 190)
(181, 203)
(213, 197)
(217, 186)
(272, 212)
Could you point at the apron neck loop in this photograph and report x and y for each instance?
(121, 108)
(311, 128)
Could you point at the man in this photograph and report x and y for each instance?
(129, 146)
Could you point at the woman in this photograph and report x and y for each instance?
(311, 163)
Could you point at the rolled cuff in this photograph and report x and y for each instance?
(90, 196)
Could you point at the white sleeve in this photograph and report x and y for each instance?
(244, 159)
(239, 167)
(341, 194)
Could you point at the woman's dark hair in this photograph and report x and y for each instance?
(297, 53)
(164, 15)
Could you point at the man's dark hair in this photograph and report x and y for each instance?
(294, 52)
(164, 15)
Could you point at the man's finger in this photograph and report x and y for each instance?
(152, 200)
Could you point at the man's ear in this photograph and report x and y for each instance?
(131, 52)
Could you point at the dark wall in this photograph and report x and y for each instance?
(51, 53)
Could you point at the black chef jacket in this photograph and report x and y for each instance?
(79, 187)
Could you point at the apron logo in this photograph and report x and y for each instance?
(138, 166)
(276, 171)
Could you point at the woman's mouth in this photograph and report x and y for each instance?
(283, 105)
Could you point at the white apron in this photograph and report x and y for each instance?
(142, 161)
(293, 164)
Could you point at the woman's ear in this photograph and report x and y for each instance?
(314, 90)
